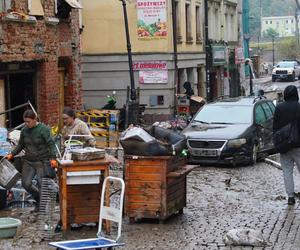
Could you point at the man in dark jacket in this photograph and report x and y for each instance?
(285, 113)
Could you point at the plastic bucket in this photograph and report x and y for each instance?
(8, 174)
(8, 227)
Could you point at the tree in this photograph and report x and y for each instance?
(270, 33)
(287, 48)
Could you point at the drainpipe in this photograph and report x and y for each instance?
(175, 57)
(207, 51)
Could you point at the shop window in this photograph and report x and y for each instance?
(35, 8)
(5, 5)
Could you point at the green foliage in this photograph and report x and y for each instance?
(287, 48)
(271, 33)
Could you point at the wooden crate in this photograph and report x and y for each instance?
(155, 186)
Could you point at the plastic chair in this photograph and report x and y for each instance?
(106, 213)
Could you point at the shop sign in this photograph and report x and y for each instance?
(153, 77)
(151, 19)
(150, 65)
(219, 55)
(239, 55)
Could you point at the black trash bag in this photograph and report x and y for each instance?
(175, 142)
(136, 141)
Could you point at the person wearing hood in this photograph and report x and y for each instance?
(285, 113)
(188, 89)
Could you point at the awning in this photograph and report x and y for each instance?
(74, 4)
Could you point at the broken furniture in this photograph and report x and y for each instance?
(155, 186)
(107, 212)
(80, 186)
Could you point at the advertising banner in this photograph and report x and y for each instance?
(150, 65)
(151, 19)
(153, 77)
(239, 55)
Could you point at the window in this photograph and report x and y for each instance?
(267, 110)
(177, 17)
(188, 24)
(259, 115)
(270, 22)
(198, 24)
(287, 21)
(266, 22)
(5, 5)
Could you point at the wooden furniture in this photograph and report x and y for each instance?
(155, 186)
(80, 185)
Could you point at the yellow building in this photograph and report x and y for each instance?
(105, 60)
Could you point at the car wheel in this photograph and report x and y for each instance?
(273, 78)
(254, 151)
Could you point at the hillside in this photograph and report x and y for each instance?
(269, 8)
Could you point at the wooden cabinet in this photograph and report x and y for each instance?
(80, 185)
(155, 186)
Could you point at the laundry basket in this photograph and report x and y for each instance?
(8, 174)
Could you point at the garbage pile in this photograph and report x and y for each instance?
(158, 141)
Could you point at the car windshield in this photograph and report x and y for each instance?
(285, 65)
(226, 114)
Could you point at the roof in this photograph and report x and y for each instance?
(241, 101)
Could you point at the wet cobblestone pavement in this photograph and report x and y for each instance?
(218, 199)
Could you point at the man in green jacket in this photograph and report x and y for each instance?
(39, 158)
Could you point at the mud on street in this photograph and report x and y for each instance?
(218, 199)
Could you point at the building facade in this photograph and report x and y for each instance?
(224, 49)
(39, 58)
(285, 26)
(159, 71)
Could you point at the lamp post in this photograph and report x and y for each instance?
(132, 84)
(273, 50)
(132, 104)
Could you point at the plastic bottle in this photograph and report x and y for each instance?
(3, 134)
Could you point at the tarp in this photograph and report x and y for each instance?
(74, 4)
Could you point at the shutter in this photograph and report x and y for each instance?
(35, 8)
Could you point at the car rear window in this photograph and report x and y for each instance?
(225, 114)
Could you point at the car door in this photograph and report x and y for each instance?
(260, 125)
(268, 131)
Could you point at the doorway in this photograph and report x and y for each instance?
(19, 88)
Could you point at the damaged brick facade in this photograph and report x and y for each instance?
(50, 45)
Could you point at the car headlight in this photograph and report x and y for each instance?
(236, 143)
(290, 72)
(274, 71)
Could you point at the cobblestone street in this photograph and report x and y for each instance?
(218, 199)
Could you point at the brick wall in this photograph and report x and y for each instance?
(49, 44)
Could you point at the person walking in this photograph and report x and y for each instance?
(74, 126)
(40, 154)
(285, 113)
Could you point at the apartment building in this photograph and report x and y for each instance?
(39, 58)
(225, 52)
(105, 61)
(285, 26)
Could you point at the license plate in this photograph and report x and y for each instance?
(205, 152)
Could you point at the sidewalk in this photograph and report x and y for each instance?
(262, 80)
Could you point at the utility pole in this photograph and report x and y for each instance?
(175, 57)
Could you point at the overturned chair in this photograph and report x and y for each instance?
(107, 213)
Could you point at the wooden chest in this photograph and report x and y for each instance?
(155, 186)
